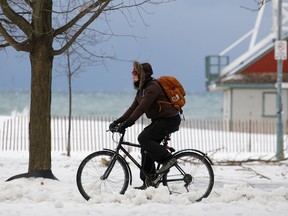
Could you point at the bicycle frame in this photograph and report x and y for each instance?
(154, 181)
(119, 147)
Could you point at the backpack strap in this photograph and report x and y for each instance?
(162, 102)
(167, 102)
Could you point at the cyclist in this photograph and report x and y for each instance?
(164, 120)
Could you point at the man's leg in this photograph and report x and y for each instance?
(150, 136)
(147, 164)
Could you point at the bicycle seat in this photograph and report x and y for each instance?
(165, 143)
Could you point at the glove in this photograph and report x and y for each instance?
(124, 125)
(114, 124)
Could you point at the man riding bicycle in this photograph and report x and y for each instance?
(165, 119)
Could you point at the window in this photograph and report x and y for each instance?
(269, 104)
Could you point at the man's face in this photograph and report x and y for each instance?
(135, 76)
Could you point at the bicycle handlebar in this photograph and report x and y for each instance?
(115, 130)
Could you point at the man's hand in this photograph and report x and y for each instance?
(122, 127)
(113, 125)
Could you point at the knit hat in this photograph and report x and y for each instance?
(147, 69)
(144, 71)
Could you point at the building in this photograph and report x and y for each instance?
(249, 82)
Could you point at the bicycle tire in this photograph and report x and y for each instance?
(199, 175)
(89, 173)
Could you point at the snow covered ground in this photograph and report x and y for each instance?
(251, 189)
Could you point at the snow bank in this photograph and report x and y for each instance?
(251, 189)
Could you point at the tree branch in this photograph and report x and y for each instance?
(4, 45)
(16, 18)
(249, 169)
(240, 162)
(79, 16)
(11, 42)
(84, 26)
(28, 3)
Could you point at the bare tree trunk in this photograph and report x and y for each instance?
(40, 107)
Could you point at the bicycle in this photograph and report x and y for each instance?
(107, 171)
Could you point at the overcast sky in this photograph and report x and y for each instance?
(175, 41)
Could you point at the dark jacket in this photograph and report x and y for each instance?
(147, 101)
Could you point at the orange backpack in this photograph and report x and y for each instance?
(173, 90)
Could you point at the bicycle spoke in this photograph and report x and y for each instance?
(90, 173)
(192, 174)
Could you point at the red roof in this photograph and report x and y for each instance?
(265, 64)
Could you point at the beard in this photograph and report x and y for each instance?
(136, 84)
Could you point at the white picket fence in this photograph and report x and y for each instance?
(89, 134)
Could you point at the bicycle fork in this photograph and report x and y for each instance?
(109, 168)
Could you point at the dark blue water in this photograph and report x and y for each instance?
(204, 105)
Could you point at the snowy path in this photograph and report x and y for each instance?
(250, 190)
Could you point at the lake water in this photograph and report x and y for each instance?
(199, 105)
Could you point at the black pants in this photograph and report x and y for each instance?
(150, 139)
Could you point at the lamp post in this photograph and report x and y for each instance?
(280, 49)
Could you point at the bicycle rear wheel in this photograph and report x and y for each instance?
(193, 174)
(90, 181)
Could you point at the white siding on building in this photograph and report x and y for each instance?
(269, 104)
(252, 103)
(227, 105)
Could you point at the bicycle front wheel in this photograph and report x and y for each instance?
(90, 178)
(193, 173)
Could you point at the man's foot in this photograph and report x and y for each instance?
(166, 166)
(142, 187)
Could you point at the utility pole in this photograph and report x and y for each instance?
(280, 55)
